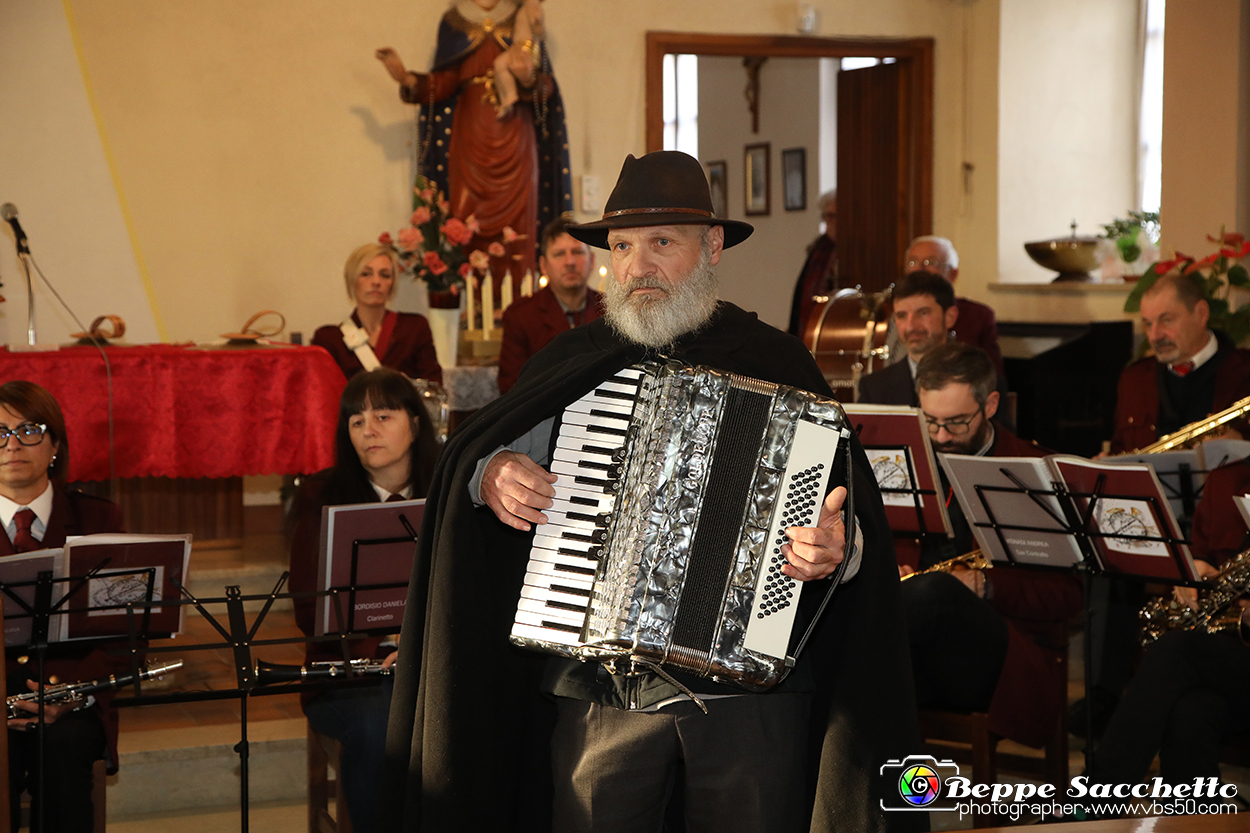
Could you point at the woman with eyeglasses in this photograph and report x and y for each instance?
(384, 450)
(38, 512)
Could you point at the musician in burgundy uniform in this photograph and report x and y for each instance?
(374, 335)
(1187, 697)
(469, 709)
(1010, 621)
(39, 512)
(565, 302)
(1194, 372)
(384, 450)
(924, 314)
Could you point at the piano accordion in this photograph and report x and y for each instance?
(663, 546)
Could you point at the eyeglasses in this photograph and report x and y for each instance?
(28, 433)
(927, 264)
(954, 427)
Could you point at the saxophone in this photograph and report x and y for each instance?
(974, 560)
(68, 692)
(1195, 431)
(1213, 613)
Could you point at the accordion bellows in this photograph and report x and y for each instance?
(675, 487)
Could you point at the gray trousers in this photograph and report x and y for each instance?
(741, 765)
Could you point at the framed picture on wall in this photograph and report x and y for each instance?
(718, 182)
(755, 178)
(794, 178)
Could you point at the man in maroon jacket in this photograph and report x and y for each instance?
(565, 302)
(982, 641)
(1194, 371)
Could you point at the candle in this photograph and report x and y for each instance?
(505, 294)
(471, 284)
(488, 304)
(527, 284)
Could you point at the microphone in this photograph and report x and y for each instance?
(8, 212)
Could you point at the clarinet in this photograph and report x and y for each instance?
(268, 673)
(68, 692)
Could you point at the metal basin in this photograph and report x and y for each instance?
(1071, 257)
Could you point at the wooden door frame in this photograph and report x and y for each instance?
(917, 148)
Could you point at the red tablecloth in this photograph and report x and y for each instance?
(191, 412)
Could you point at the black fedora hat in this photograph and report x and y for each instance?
(664, 188)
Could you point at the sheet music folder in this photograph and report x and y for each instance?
(1039, 510)
(366, 555)
(134, 566)
(897, 444)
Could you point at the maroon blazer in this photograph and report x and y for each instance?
(1137, 399)
(1219, 533)
(405, 344)
(976, 326)
(529, 324)
(74, 513)
(1032, 688)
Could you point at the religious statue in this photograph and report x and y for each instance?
(502, 162)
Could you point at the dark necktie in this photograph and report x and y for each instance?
(23, 541)
(1182, 369)
(395, 497)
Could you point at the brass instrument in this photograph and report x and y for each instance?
(68, 692)
(268, 673)
(974, 560)
(1212, 614)
(1197, 430)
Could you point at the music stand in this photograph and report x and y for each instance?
(897, 444)
(240, 637)
(1079, 504)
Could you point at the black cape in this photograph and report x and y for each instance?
(468, 741)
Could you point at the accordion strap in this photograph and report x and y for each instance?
(848, 548)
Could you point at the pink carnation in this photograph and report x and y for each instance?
(444, 207)
(427, 195)
(410, 238)
(434, 263)
(385, 238)
(509, 236)
(496, 249)
(456, 232)
(480, 260)
(421, 216)
(473, 224)
(465, 270)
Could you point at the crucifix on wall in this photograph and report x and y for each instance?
(752, 91)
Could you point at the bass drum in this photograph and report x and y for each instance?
(847, 336)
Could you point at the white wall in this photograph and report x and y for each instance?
(1067, 132)
(760, 274)
(53, 167)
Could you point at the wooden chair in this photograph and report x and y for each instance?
(321, 752)
(973, 731)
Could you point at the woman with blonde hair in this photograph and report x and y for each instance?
(374, 336)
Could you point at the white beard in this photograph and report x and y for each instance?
(657, 322)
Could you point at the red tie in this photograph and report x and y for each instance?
(1182, 369)
(23, 541)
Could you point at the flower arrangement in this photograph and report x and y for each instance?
(1136, 240)
(432, 245)
(1218, 272)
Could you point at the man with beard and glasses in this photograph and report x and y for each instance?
(565, 302)
(1194, 372)
(1009, 622)
(487, 736)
